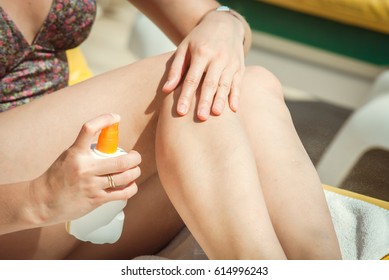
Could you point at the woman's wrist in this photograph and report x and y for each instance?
(36, 212)
(246, 27)
(22, 207)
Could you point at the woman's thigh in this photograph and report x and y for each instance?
(35, 134)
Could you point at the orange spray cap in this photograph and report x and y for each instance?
(108, 139)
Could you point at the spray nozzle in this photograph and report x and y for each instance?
(108, 139)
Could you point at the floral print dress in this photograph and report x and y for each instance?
(28, 71)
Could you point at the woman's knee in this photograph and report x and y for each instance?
(259, 81)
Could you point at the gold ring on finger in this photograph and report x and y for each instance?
(111, 182)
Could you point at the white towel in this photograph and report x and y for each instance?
(362, 228)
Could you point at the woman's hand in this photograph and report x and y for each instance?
(76, 183)
(210, 57)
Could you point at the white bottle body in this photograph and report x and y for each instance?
(103, 224)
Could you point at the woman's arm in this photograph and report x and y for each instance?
(210, 54)
(177, 18)
(174, 17)
(18, 211)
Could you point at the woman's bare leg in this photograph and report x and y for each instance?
(210, 175)
(214, 183)
(292, 189)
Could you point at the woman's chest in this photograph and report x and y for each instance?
(27, 15)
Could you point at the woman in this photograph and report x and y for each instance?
(233, 177)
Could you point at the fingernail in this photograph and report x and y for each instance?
(203, 113)
(182, 108)
(217, 108)
(234, 104)
(115, 116)
(168, 82)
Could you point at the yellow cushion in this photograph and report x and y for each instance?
(377, 202)
(78, 67)
(370, 14)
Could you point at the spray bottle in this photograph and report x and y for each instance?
(105, 223)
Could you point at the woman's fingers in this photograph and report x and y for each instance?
(208, 89)
(125, 166)
(191, 83)
(223, 91)
(234, 96)
(219, 80)
(219, 86)
(119, 181)
(177, 69)
(116, 172)
(122, 193)
(117, 164)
